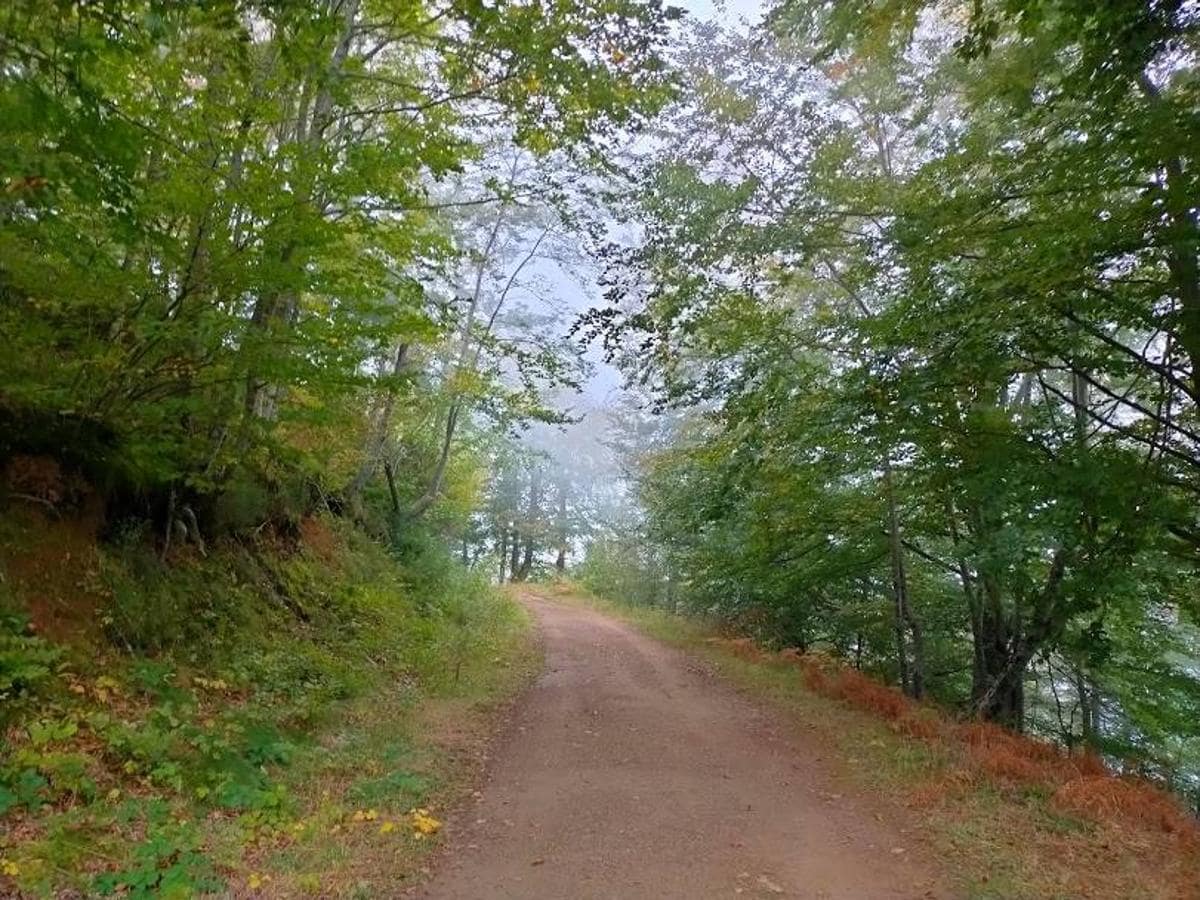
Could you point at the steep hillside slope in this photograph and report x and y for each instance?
(266, 716)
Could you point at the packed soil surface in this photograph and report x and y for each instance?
(629, 770)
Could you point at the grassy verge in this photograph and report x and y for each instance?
(1009, 818)
(280, 718)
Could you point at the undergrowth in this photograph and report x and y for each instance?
(1016, 818)
(253, 721)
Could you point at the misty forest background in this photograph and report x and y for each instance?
(904, 296)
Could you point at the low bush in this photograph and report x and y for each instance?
(26, 663)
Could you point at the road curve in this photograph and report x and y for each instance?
(629, 772)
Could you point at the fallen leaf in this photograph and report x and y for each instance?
(423, 823)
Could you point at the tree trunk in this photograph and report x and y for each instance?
(380, 428)
(434, 490)
(998, 680)
(279, 310)
(1006, 704)
(1079, 401)
(533, 516)
(503, 553)
(527, 559)
(391, 483)
(1088, 715)
(908, 629)
(560, 562)
(515, 561)
(973, 593)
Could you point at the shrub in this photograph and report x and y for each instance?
(244, 504)
(169, 862)
(26, 663)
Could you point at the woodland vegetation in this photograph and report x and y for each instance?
(273, 302)
(257, 254)
(905, 294)
(917, 286)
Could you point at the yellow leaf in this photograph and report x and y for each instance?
(9, 868)
(256, 881)
(387, 827)
(423, 823)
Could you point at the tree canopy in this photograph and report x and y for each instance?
(232, 234)
(906, 294)
(924, 279)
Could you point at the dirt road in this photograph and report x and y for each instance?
(630, 772)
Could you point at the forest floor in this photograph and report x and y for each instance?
(631, 770)
(655, 759)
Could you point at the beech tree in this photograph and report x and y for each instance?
(919, 278)
(225, 228)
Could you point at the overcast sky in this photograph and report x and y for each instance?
(605, 379)
(581, 292)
